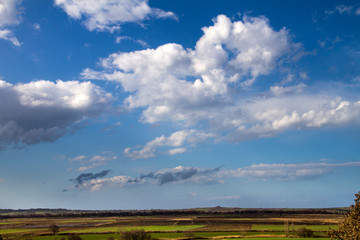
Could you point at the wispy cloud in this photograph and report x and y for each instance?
(343, 9)
(288, 172)
(175, 141)
(179, 173)
(94, 161)
(192, 175)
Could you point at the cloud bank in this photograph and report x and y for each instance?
(43, 111)
(180, 174)
(184, 175)
(108, 15)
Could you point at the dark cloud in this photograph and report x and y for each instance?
(37, 112)
(178, 174)
(84, 177)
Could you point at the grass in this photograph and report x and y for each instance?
(146, 228)
(19, 230)
(263, 227)
(10, 222)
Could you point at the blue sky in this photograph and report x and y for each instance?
(176, 104)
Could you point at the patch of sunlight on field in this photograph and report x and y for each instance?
(264, 227)
(146, 228)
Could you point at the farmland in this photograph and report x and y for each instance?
(215, 223)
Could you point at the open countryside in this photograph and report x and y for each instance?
(204, 223)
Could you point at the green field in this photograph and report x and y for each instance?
(264, 227)
(10, 222)
(146, 228)
(19, 230)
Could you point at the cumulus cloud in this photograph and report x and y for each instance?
(271, 116)
(174, 141)
(184, 85)
(108, 15)
(9, 15)
(43, 111)
(287, 172)
(213, 84)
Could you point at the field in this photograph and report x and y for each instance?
(260, 224)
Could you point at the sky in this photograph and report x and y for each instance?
(135, 104)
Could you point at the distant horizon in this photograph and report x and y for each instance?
(180, 209)
(157, 104)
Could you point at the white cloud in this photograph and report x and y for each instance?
(44, 111)
(279, 90)
(9, 15)
(212, 85)
(2, 180)
(95, 185)
(8, 35)
(108, 15)
(174, 141)
(178, 84)
(287, 172)
(36, 26)
(95, 161)
(119, 39)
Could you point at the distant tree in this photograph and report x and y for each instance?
(54, 229)
(350, 228)
(135, 235)
(305, 233)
